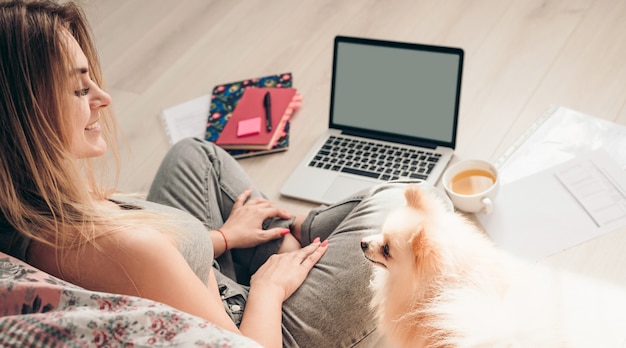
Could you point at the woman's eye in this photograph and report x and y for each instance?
(81, 92)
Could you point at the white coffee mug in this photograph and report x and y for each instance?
(472, 185)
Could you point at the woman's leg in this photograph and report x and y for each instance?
(198, 177)
(332, 307)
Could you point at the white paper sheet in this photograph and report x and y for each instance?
(595, 190)
(187, 119)
(558, 208)
(560, 135)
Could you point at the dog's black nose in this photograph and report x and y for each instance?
(364, 245)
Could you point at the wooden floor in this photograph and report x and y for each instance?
(521, 57)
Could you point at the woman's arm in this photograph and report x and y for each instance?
(220, 246)
(142, 262)
(243, 228)
(270, 286)
(146, 263)
(262, 317)
(161, 273)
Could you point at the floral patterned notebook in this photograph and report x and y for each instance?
(224, 99)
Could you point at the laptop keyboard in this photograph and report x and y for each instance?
(373, 160)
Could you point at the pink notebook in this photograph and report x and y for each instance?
(250, 107)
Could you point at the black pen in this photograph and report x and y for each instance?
(268, 111)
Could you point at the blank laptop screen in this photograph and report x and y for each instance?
(397, 90)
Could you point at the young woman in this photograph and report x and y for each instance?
(205, 241)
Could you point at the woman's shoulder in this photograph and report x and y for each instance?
(130, 201)
(191, 236)
(109, 263)
(133, 237)
(187, 222)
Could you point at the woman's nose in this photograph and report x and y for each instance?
(100, 98)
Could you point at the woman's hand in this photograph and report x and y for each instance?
(243, 228)
(283, 274)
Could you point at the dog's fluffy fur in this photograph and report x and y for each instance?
(441, 283)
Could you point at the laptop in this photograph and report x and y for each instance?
(395, 106)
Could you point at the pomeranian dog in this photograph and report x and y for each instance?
(440, 282)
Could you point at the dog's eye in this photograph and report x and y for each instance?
(386, 250)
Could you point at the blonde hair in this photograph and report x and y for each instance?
(47, 194)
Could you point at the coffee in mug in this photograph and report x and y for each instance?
(472, 181)
(471, 185)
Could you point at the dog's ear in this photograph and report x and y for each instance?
(419, 242)
(413, 196)
(427, 256)
(421, 200)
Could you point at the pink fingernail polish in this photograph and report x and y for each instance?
(284, 232)
(316, 240)
(325, 243)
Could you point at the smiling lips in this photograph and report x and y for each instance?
(92, 126)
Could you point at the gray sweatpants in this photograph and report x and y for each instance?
(331, 308)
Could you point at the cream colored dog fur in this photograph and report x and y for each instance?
(440, 282)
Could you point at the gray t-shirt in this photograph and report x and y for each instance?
(196, 247)
(194, 242)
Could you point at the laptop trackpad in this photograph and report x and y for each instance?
(342, 187)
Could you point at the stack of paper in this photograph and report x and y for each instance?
(563, 183)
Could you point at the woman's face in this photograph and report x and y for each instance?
(87, 100)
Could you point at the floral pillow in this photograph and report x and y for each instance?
(39, 310)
